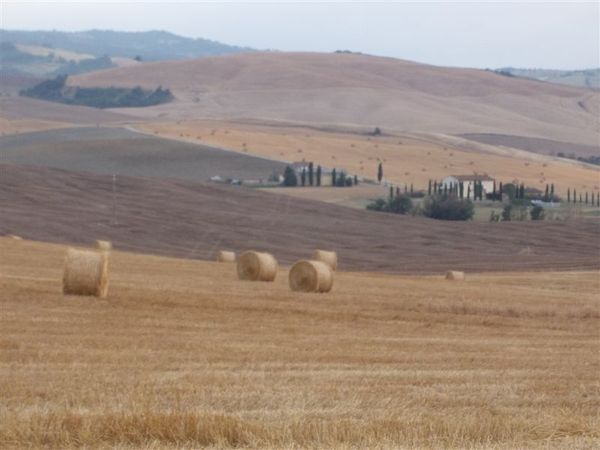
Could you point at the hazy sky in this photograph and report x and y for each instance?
(563, 35)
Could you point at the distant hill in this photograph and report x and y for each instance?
(589, 78)
(360, 90)
(148, 45)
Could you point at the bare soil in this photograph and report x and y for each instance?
(195, 220)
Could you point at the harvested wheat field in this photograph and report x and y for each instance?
(183, 355)
(407, 159)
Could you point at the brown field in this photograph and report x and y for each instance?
(195, 220)
(406, 159)
(183, 355)
(19, 126)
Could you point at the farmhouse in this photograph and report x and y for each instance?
(469, 181)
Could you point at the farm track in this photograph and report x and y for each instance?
(195, 220)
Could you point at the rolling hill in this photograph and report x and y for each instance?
(362, 91)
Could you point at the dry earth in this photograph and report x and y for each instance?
(194, 220)
(361, 90)
(183, 355)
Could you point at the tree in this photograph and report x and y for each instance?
(448, 207)
(494, 192)
(574, 195)
(461, 189)
(391, 192)
(289, 177)
(311, 173)
(546, 194)
(318, 175)
(355, 179)
(411, 189)
(501, 190)
(506, 213)
(303, 177)
(333, 177)
(435, 189)
(400, 204)
(568, 195)
(405, 188)
(429, 187)
(380, 172)
(522, 191)
(376, 131)
(468, 191)
(341, 179)
(586, 198)
(397, 190)
(537, 213)
(552, 191)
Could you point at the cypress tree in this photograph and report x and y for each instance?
(397, 191)
(580, 199)
(318, 175)
(303, 177)
(598, 199)
(411, 189)
(391, 192)
(333, 177)
(552, 191)
(500, 190)
(568, 195)
(435, 189)
(405, 188)
(546, 194)
(574, 196)
(494, 192)
(380, 172)
(469, 190)
(429, 188)
(461, 188)
(445, 189)
(355, 180)
(522, 193)
(311, 173)
(586, 198)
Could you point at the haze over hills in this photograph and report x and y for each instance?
(149, 45)
(588, 78)
(363, 91)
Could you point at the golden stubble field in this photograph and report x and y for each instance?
(183, 355)
(406, 159)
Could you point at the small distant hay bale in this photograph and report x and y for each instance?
(328, 257)
(311, 276)
(455, 275)
(225, 256)
(104, 245)
(86, 272)
(257, 266)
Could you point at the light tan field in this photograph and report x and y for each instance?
(406, 159)
(360, 90)
(183, 355)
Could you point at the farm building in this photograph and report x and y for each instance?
(469, 181)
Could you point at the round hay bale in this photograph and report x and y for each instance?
(256, 266)
(104, 245)
(86, 272)
(311, 276)
(455, 275)
(225, 256)
(329, 258)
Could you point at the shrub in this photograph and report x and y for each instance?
(289, 177)
(448, 207)
(401, 204)
(537, 213)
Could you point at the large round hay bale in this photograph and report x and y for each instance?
(104, 245)
(257, 266)
(455, 275)
(225, 256)
(86, 272)
(329, 258)
(311, 276)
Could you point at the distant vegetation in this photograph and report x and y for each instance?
(18, 62)
(55, 90)
(149, 45)
(588, 78)
(587, 159)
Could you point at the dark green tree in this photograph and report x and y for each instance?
(522, 191)
(435, 189)
(552, 191)
(568, 195)
(537, 213)
(380, 172)
(547, 194)
(333, 177)
(411, 189)
(318, 175)
(391, 192)
(355, 180)
(311, 173)
(303, 177)
(341, 179)
(397, 191)
(429, 188)
(289, 177)
(461, 190)
(586, 198)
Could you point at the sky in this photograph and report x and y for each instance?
(483, 34)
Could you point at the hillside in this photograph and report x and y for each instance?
(588, 78)
(363, 91)
(194, 220)
(149, 45)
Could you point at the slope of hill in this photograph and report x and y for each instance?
(149, 45)
(359, 90)
(195, 220)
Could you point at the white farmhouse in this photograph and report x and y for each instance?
(468, 182)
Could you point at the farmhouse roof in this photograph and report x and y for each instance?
(473, 177)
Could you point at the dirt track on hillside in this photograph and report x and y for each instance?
(194, 220)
